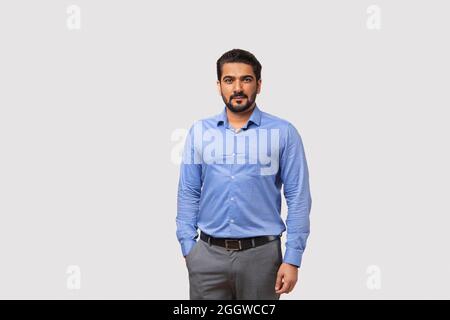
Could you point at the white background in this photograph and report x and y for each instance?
(86, 119)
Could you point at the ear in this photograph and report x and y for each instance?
(218, 87)
(258, 90)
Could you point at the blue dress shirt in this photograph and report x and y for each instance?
(230, 182)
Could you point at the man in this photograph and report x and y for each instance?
(233, 167)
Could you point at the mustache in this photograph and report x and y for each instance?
(238, 95)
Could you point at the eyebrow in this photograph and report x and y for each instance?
(245, 76)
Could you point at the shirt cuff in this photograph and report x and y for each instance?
(293, 257)
(186, 246)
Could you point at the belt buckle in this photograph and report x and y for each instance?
(239, 247)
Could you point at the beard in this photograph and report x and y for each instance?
(239, 107)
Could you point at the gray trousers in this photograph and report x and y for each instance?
(216, 273)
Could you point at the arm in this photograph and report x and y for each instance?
(295, 177)
(189, 191)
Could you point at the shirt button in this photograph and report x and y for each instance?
(232, 177)
(231, 198)
(231, 220)
(233, 154)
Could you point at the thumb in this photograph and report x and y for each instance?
(278, 282)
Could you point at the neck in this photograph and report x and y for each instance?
(240, 117)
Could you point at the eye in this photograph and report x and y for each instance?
(248, 79)
(227, 80)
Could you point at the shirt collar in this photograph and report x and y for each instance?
(255, 117)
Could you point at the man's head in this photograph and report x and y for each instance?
(238, 79)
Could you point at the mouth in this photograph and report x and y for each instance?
(238, 98)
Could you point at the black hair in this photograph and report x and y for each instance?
(239, 55)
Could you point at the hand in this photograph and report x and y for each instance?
(286, 278)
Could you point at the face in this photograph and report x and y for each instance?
(238, 86)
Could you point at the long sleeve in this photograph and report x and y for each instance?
(188, 199)
(295, 178)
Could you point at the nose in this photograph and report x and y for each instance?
(237, 86)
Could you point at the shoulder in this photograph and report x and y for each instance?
(286, 127)
(202, 124)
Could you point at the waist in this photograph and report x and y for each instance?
(238, 244)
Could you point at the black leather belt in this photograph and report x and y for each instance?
(237, 244)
